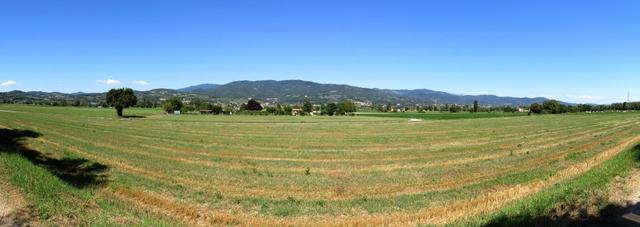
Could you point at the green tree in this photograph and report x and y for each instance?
(280, 109)
(287, 110)
(552, 106)
(172, 104)
(476, 107)
(307, 107)
(330, 109)
(508, 109)
(253, 105)
(535, 108)
(215, 109)
(202, 105)
(121, 98)
(346, 107)
(272, 110)
(454, 108)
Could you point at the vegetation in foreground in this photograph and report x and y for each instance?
(581, 201)
(194, 169)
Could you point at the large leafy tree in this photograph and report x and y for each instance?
(346, 107)
(253, 105)
(121, 98)
(535, 108)
(552, 106)
(331, 109)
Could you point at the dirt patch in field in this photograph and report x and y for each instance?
(14, 210)
(624, 201)
(626, 190)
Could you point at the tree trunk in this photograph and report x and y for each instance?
(119, 111)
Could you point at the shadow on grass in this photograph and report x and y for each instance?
(580, 215)
(78, 172)
(133, 116)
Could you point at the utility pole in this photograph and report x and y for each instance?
(628, 96)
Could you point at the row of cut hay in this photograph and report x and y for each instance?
(483, 204)
(232, 184)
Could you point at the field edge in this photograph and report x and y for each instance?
(541, 208)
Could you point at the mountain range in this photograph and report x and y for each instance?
(286, 92)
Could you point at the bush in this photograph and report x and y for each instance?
(172, 104)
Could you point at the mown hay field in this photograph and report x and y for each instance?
(283, 170)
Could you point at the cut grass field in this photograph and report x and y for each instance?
(86, 166)
(442, 115)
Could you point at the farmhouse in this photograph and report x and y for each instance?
(296, 111)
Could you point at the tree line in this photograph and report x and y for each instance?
(556, 107)
(125, 97)
(475, 107)
(254, 107)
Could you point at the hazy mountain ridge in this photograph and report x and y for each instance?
(199, 87)
(286, 92)
(294, 91)
(444, 97)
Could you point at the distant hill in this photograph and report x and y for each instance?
(294, 91)
(199, 87)
(286, 92)
(154, 96)
(443, 97)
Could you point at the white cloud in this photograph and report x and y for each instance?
(585, 97)
(591, 97)
(109, 81)
(8, 83)
(140, 82)
(578, 98)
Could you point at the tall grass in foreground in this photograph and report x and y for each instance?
(589, 189)
(54, 200)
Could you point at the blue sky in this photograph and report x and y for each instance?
(578, 51)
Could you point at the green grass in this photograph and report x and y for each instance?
(538, 209)
(443, 115)
(54, 199)
(291, 169)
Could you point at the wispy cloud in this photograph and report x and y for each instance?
(8, 83)
(591, 97)
(109, 81)
(578, 98)
(140, 82)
